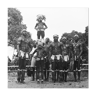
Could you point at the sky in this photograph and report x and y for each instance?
(58, 20)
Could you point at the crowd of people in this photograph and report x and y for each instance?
(57, 57)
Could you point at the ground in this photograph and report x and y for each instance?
(12, 82)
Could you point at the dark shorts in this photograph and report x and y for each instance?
(40, 65)
(65, 65)
(55, 65)
(77, 64)
(40, 33)
(22, 63)
(46, 63)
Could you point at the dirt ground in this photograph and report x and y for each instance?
(12, 82)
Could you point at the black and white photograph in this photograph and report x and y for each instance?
(48, 47)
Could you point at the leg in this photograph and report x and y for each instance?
(18, 76)
(66, 76)
(22, 71)
(61, 73)
(54, 76)
(19, 72)
(37, 70)
(42, 35)
(33, 64)
(47, 70)
(22, 76)
(42, 67)
(29, 72)
(53, 73)
(64, 67)
(79, 71)
(75, 62)
(58, 75)
(38, 35)
(33, 73)
(45, 74)
(58, 68)
(66, 70)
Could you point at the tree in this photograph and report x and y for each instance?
(74, 35)
(15, 25)
(14, 16)
(86, 34)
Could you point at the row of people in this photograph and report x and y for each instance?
(57, 55)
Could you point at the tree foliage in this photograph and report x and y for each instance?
(84, 37)
(15, 25)
(14, 16)
(87, 34)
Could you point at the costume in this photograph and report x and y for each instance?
(40, 26)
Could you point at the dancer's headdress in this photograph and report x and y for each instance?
(41, 17)
(55, 36)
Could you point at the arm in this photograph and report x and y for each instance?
(45, 26)
(30, 47)
(80, 51)
(18, 49)
(62, 53)
(36, 26)
(50, 49)
(50, 53)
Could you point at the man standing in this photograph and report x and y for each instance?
(66, 54)
(40, 26)
(77, 53)
(22, 62)
(46, 59)
(55, 54)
